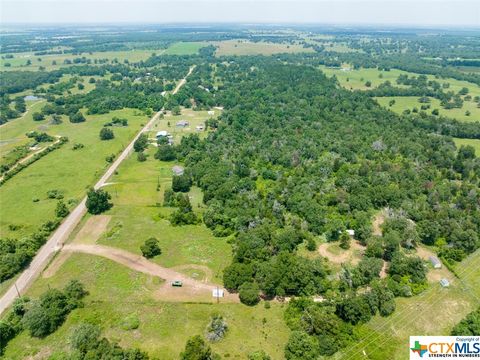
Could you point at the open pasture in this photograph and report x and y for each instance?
(242, 47)
(55, 171)
(403, 103)
(164, 327)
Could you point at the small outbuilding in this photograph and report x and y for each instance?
(211, 112)
(200, 127)
(436, 263)
(351, 232)
(182, 123)
(444, 283)
(218, 293)
(178, 170)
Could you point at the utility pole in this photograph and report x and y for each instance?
(16, 288)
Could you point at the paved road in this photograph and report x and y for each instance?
(56, 241)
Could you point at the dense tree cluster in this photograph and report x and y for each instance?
(470, 326)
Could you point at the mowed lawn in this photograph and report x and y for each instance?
(434, 312)
(70, 171)
(118, 293)
(403, 103)
(138, 211)
(243, 47)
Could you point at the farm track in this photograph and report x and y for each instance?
(28, 157)
(57, 239)
(138, 263)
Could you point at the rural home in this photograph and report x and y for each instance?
(161, 133)
(211, 112)
(444, 283)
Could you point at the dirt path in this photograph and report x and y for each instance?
(57, 239)
(377, 223)
(29, 156)
(191, 287)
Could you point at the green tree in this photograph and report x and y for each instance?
(181, 183)
(197, 349)
(141, 143)
(151, 248)
(61, 210)
(249, 293)
(77, 117)
(165, 153)
(106, 134)
(38, 116)
(301, 346)
(345, 240)
(98, 201)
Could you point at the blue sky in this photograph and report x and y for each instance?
(384, 12)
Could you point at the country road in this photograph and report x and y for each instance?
(56, 241)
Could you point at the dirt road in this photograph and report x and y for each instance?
(28, 157)
(56, 241)
(138, 263)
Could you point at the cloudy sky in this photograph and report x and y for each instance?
(385, 12)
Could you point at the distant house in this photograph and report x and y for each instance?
(211, 112)
(350, 232)
(178, 170)
(182, 123)
(444, 283)
(200, 127)
(436, 263)
(161, 133)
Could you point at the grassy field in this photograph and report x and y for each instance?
(242, 47)
(434, 312)
(138, 212)
(184, 48)
(409, 102)
(473, 142)
(164, 327)
(356, 79)
(20, 59)
(55, 170)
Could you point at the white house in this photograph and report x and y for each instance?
(161, 133)
(211, 112)
(444, 283)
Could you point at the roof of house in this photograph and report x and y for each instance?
(434, 260)
(182, 123)
(162, 133)
(177, 169)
